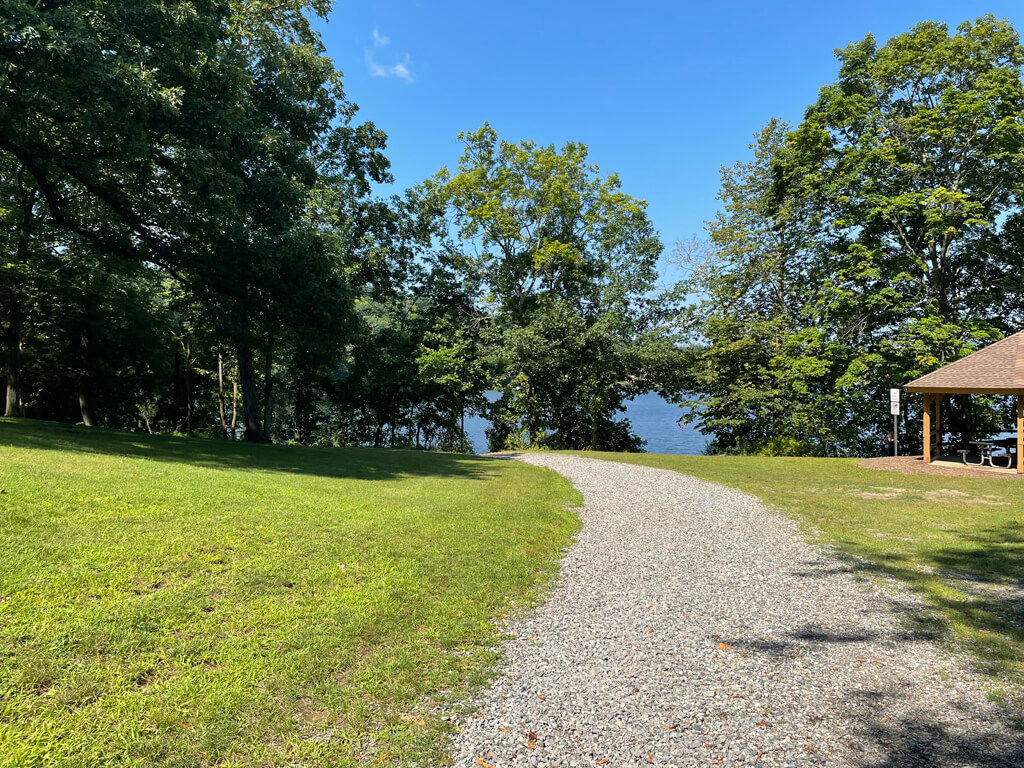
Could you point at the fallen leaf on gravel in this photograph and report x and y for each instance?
(603, 761)
(504, 730)
(762, 723)
(760, 753)
(483, 763)
(670, 727)
(650, 758)
(724, 647)
(541, 697)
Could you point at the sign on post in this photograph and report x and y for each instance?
(894, 402)
(894, 409)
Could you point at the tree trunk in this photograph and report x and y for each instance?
(531, 418)
(188, 388)
(85, 399)
(85, 403)
(234, 409)
(298, 420)
(250, 394)
(13, 338)
(220, 394)
(12, 354)
(268, 391)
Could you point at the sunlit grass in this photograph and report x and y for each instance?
(173, 602)
(957, 541)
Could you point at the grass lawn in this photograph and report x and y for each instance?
(174, 602)
(957, 541)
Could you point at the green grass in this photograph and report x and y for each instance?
(174, 602)
(957, 541)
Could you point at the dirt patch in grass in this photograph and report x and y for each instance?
(914, 465)
(939, 495)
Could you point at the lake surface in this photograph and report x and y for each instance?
(654, 420)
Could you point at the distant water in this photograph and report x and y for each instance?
(653, 419)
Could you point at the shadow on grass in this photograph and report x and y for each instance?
(349, 463)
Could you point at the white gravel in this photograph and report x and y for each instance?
(693, 626)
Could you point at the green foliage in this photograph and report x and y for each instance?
(564, 262)
(203, 141)
(175, 602)
(872, 244)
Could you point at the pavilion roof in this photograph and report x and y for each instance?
(996, 369)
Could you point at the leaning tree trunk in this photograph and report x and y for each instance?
(85, 403)
(250, 394)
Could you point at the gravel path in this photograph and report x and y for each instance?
(692, 626)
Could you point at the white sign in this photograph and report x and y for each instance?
(894, 402)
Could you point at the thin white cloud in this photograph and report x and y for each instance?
(399, 70)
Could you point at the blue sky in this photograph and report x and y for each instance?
(663, 93)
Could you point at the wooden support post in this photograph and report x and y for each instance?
(928, 428)
(1020, 434)
(939, 399)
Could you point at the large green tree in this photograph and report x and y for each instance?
(765, 372)
(193, 137)
(914, 160)
(892, 210)
(565, 262)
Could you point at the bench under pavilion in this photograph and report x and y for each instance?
(997, 369)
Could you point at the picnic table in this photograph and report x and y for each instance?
(987, 451)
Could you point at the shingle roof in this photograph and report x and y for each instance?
(998, 366)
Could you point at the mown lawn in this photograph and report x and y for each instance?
(174, 602)
(957, 541)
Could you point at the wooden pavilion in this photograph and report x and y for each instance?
(997, 369)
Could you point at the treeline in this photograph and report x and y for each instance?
(879, 239)
(192, 244)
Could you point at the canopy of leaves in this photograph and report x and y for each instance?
(868, 246)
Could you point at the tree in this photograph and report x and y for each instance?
(870, 245)
(565, 262)
(765, 372)
(193, 138)
(913, 160)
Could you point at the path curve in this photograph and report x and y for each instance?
(692, 626)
